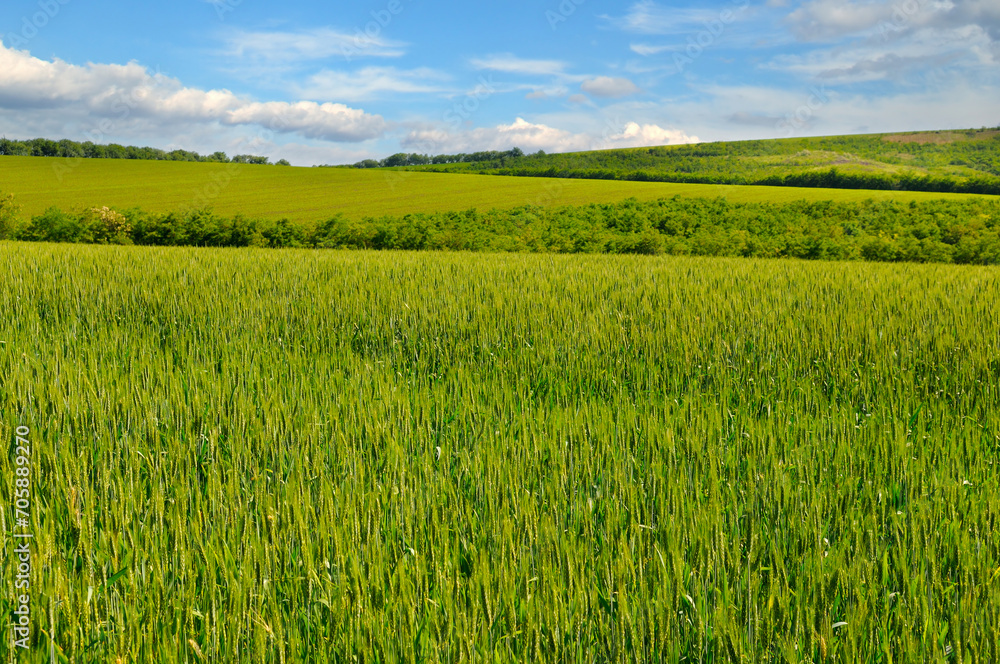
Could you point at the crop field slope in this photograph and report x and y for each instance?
(313, 194)
(278, 456)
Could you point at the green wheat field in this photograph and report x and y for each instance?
(284, 456)
(312, 194)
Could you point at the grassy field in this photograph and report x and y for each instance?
(312, 194)
(279, 456)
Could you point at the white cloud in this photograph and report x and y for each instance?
(115, 98)
(532, 137)
(894, 54)
(885, 66)
(650, 49)
(607, 87)
(511, 64)
(315, 44)
(831, 20)
(754, 119)
(529, 137)
(330, 122)
(372, 83)
(554, 92)
(827, 20)
(635, 135)
(648, 18)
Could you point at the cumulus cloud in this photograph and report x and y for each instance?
(331, 122)
(116, 96)
(532, 137)
(521, 133)
(607, 87)
(635, 135)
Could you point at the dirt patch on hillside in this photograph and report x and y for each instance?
(942, 137)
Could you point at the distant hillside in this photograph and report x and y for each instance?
(943, 161)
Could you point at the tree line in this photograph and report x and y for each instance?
(401, 159)
(44, 147)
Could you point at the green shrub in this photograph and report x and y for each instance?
(107, 226)
(54, 225)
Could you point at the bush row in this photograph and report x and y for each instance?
(933, 231)
(829, 179)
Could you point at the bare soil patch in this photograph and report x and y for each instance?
(942, 137)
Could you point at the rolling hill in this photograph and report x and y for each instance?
(965, 161)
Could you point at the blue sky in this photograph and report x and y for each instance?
(318, 82)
